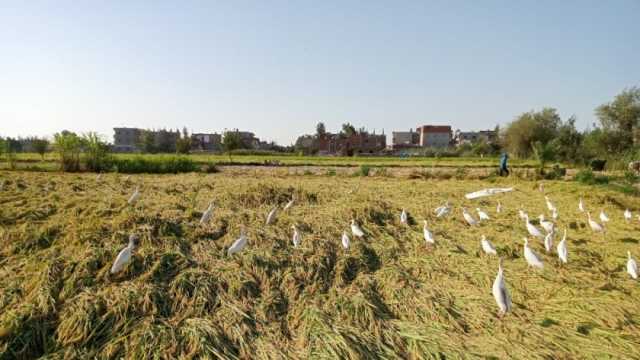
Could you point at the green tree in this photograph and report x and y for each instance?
(96, 152)
(183, 144)
(531, 127)
(348, 130)
(40, 145)
(147, 142)
(568, 142)
(622, 116)
(69, 146)
(544, 153)
(321, 130)
(231, 140)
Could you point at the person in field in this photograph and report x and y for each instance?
(504, 170)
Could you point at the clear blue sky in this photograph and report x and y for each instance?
(279, 67)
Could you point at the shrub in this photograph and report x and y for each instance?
(557, 172)
(68, 145)
(96, 156)
(331, 172)
(461, 173)
(364, 170)
(210, 168)
(630, 177)
(382, 172)
(587, 177)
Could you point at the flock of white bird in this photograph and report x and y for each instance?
(500, 291)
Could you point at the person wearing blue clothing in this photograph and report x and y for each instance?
(503, 164)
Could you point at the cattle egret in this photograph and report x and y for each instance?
(345, 240)
(124, 256)
(595, 227)
(541, 187)
(500, 292)
(271, 217)
(550, 205)
(404, 217)
(499, 208)
(428, 236)
(482, 215)
(487, 246)
(523, 215)
(443, 210)
(627, 215)
(355, 229)
(554, 214)
(135, 196)
(562, 248)
(297, 238)
(603, 217)
(632, 266)
(207, 214)
(531, 257)
(546, 225)
(289, 204)
(581, 205)
(548, 242)
(468, 218)
(533, 231)
(98, 177)
(238, 245)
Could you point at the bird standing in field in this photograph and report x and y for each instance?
(632, 266)
(404, 218)
(289, 204)
(562, 248)
(546, 225)
(554, 214)
(297, 237)
(135, 196)
(548, 242)
(238, 245)
(482, 215)
(550, 205)
(468, 218)
(443, 210)
(207, 214)
(500, 292)
(428, 236)
(595, 227)
(498, 208)
(523, 215)
(627, 215)
(124, 256)
(345, 240)
(487, 246)
(271, 217)
(98, 177)
(355, 229)
(533, 231)
(531, 257)
(581, 206)
(603, 217)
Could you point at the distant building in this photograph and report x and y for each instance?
(405, 139)
(126, 139)
(469, 137)
(248, 139)
(435, 136)
(206, 142)
(358, 143)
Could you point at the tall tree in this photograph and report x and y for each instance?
(622, 115)
(40, 145)
(529, 128)
(320, 129)
(348, 129)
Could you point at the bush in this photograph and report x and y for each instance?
(163, 165)
(630, 177)
(382, 172)
(69, 146)
(363, 171)
(331, 172)
(96, 156)
(461, 173)
(598, 164)
(587, 177)
(556, 172)
(210, 168)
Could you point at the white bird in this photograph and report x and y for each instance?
(443, 210)
(500, 292)
(523, 215)
(289, 204)
(548, 242)
(355, 229)
(531, 257)
(135, 196)
(271, 217)
(550, 205)
(124, 256)
(595, 227)
(207, 214)
(482, 215)
(238, 245)
(603, 217)
(627, 215)
(562, 248)
(533, 231)
(554, 214)
(404, 217)
(632, 266)
(499, 208)
(428, 236)
(468, 218)
(581, 205)
(98, 177)
(487, 246)
(345, 240)
(546, 225)
(297, 237)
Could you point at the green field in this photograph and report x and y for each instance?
(390, 295)
(49, 163)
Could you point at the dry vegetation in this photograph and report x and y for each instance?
(388, 296)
